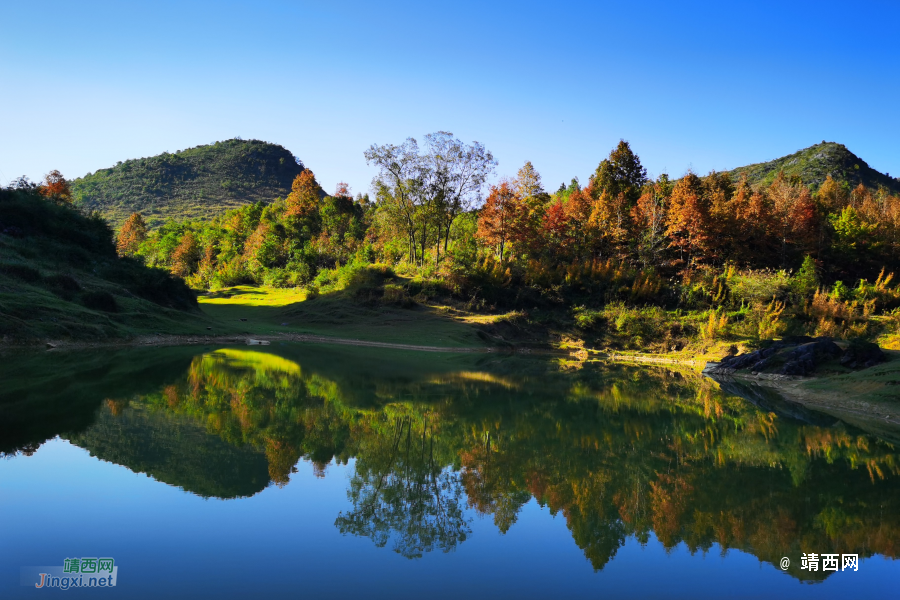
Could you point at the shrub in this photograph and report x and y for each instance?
(100, 301)
(64, 283)
(232, 273)
(715, 326)
(637, 325)
(587, 319)
(770, 324)
(757, 287)
(396, 294)
(806, 281)
(63, 286)
(21, 272)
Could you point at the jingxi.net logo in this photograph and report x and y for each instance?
(75, 573)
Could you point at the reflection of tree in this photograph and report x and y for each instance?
(489, 481)
(617, 452)
(400, 491)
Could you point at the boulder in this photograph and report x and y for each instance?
(862, 355)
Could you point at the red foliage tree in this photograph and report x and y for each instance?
(56, 187)
(500, 217)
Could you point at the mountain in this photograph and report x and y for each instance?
(812, 165)
(197, 183)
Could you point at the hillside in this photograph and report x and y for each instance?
(60, 278)
(197, 183)
(812, 165)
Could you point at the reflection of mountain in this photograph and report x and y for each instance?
(44, 394)
(617, 451)
(176, 451)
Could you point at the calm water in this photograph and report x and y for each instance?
(331, 472)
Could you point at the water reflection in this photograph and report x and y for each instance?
(617, 451)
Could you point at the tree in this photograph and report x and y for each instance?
(425, 193)
(556, 227)
(793, 213)
(528, 181)
(615, 187)
(186, 256)
(650, 214)
(132, 234)
(688, 220)
(22, 183)
(851, 232)
(56, 187)
(455, 174)
(621, 173)
(342, 190)
(498, 217)
(302, 206)
(806, 281)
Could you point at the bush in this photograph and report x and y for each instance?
(586, 318)
(100, 301)
(757, 287)
(396, 294)
(233, 273)
(64, 283)
(21, 272)
(638, 325)
(63, 286)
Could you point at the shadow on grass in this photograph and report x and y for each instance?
(374, 305)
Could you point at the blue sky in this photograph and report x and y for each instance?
(697, 85)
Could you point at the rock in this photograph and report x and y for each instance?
(761, 365)
(862, 355)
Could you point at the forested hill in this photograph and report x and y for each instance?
(199, 182)
(812, 165)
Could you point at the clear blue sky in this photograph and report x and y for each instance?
(690, 84)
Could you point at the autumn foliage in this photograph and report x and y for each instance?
(56, 187)
(132, 235)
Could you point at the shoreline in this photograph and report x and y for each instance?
(248, 339)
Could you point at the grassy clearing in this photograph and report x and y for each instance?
(340, 314)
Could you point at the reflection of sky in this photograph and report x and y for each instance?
(282, 542)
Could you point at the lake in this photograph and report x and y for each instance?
(320, 471)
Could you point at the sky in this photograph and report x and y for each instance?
(691, 85)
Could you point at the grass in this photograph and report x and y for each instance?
(60, 278)
(880, 383)
(336, 314)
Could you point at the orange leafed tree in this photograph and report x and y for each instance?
(132, 234)
(342, 190)
(688, 219)
(186, 256)
(56, 187)
(793, 214)
(556, 226)
(304, 197)
(498, 219)
(302, 205)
